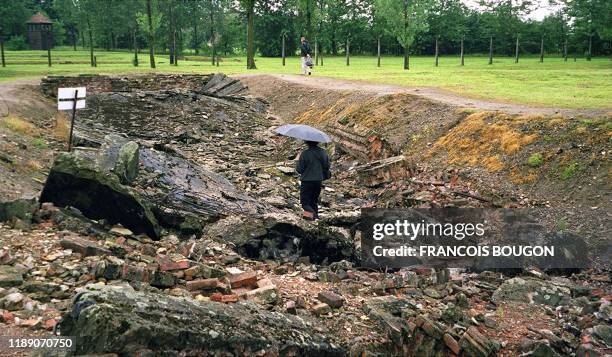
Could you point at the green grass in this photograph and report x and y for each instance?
(554, 83)
(40, 143)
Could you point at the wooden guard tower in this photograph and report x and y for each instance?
(40, 36)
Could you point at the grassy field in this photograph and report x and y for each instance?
(554, 83)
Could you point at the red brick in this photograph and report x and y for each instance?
(243, 279)
(202, 284)
(120, 240)
(216, 297)
(229, 298)
(264, 282)
(180, 265)
(49, 324)
(451, 343)
(7, 316)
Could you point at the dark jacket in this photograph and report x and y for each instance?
(313, 164)
(305, 48)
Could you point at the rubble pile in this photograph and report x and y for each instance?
(174, 228)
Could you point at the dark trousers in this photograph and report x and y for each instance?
(309, 196)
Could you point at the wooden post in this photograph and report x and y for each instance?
(316, 52)
(378, 52)
(76, 97)
(491, 50)
(590, 53)
(542, 49)
(49, 48)
(2, 48)
(436, 51)
(283, 50)
(174, 48)
(462, 61)
(348, 60)
(516, 50)
(135, 50)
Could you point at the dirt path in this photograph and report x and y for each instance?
(427, 92)
(10, 94)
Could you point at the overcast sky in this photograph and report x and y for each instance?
(543, 9)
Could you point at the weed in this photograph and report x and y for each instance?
(587, 122)
(39, 143)
(570, 171)
(62, 127)
(535, 160)
(562, 224)
(19, 125)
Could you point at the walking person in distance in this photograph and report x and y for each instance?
(306, 54)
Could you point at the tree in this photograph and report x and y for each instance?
(405, 19)
(590, 17)
(249, 7)
(151, 34)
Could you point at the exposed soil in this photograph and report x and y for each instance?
(439, 95)
(489, 148)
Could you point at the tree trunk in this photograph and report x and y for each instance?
(462, 61)
(196, 44)
(49, 54)
(348, 52)
(212, 32)
(174, 54)
(491, 50)
(406, 59)
(378, 52)
(2, 50)
(516, 50)
(542, 49)
(590, 47)
(151, 35)
(135, 49)
(74, 39)
(321, 57)
(283, 50)
(308, 20)
(436, 51)
(83, 39)
(91, 50)
(251, 35)
(316, 52)
(565, 50)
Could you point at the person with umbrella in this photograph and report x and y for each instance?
(313, 165)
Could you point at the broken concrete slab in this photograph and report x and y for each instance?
(126, 166)
(77, 181)
(20, 208)
(534, 291)
(196, 327)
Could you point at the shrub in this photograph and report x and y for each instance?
(16, 43)
(535, 160)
